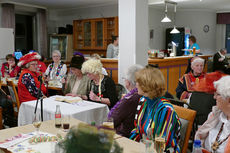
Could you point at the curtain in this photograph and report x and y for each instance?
(42, 32)
(220, 36)
(8, 16)
(223, 18)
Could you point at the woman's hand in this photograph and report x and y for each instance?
(63, 80)
(71, 94)
(93, 96)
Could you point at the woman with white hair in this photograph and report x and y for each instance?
(123, 113)
(28, 82)
(103, 89)
(187, 82)
(215, 132)
(57, 69)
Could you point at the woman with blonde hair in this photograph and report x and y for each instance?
(156, 114)
(103, 88)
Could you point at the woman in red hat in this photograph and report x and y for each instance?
(28, 84)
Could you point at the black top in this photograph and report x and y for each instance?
(220, 65)
(108, 90)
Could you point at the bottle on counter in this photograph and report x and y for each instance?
(58, 117)
(197, 147)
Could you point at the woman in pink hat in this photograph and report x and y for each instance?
(28, 84)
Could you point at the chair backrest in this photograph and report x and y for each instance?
(202, 103)
(188, 115)
(14, 96)
(178, 102)
(0, 117)
(120, 89)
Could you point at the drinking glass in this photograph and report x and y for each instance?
(66, 123)
(109, 123)
(37, 122)
(160, 143)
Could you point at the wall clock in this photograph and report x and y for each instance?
(206, 28)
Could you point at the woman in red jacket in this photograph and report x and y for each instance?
(9, 68)
(28, 84)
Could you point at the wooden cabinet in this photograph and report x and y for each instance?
(63, 43)
(94, 34)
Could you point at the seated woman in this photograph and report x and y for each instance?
(57, 69)
(77, 84)
(28, 83)
(155, 112)
(123, 113)
(186, 83)
(9, 68)
(215, 132)
(103, 88)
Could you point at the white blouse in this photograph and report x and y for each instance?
(53, 72)
(214, 132)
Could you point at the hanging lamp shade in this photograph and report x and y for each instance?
(166, 19)
(174, 30)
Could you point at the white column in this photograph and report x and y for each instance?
(133, 34)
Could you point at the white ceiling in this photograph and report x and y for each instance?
(217, 5)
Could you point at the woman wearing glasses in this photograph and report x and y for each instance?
(215, 132)
(57, 69)
(28, 83)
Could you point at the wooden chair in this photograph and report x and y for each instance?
(189, 115)
(0, 118)
(14, 96)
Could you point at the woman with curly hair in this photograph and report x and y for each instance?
(103, 89)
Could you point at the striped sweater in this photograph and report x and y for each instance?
(159, 115)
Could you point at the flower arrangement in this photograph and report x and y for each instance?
(90, 139)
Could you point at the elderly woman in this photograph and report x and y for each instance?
(123, 113)
(103, 89)
(57, 69)
(186, 83)
(215, 132)
(156, 113)
(28, 83)
(78, 84)
(9, 68)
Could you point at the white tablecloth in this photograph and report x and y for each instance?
(85, 111)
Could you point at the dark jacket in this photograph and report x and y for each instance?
(124, 114)
(219, 66)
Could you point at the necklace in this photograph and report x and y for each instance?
(217, 142)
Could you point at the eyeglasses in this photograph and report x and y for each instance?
(34, 64)
(216, 94)
(55, 56)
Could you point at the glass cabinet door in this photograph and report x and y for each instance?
(58, 43)
(99, 34)
(87, 34)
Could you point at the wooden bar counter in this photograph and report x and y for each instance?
(171, 67)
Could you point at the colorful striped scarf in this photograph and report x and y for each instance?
(163, 120)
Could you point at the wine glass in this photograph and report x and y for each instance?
(160, 143)
(37, 122)
(109, 123)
